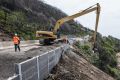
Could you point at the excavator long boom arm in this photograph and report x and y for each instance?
(49, 36)
(86, 11)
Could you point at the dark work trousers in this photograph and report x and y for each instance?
(17, 46)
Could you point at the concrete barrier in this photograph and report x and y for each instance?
(9, 44)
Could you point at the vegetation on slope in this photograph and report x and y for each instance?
(26, 16)
(105, 57)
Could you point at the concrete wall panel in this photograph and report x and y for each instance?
(43, 66)
(39, 67)
(29, 69)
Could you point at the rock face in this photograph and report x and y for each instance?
(75, 67)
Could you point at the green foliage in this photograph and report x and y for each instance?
(87, 52)
(107, 55)
(17, 23)
(105, 58)
(114, 72)
(86, 49)
(2, 16)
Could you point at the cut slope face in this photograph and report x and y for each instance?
(74, 67)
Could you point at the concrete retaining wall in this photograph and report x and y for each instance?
(9, 44)
(39, 67)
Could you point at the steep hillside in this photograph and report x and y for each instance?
(76, 64)
(104, 56)
(73, 66)
(27, 16)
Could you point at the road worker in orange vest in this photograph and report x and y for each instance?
(16, 41)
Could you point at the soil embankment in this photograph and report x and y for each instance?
(75, 67)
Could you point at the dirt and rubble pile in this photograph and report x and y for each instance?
(74, 67)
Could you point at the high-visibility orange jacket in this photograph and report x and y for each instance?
(16, 40)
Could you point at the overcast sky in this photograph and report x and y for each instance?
(109, 19)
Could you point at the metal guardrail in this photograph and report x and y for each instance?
(39, 67)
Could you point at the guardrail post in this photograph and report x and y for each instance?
(48, 64)
(38, 68)
(20, 74)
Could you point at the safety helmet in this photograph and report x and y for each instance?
(15, 34)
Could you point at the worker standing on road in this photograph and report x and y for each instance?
(16, 41)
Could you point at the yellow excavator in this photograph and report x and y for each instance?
(50, 36)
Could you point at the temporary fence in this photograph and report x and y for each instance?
(39, 67)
